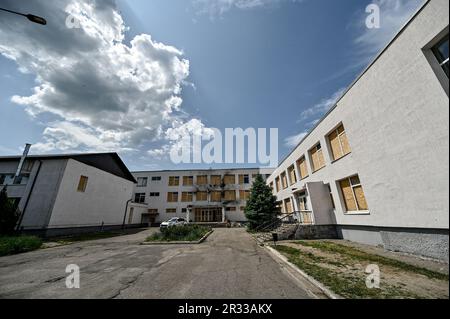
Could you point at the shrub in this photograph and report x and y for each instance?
(180, 233)
(8, 214)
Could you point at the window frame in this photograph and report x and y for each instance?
(82, 184)
(142, 196)
(142, 185)
(352, 186)
(341, 146)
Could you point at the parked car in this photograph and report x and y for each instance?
(173, 222)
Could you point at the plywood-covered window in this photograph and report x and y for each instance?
(230, 195)
(302, 168)
(292, 174)
(172, 197)
(244, 179)
(188, 180)
(216, 180)
(288, 205)
(82, 184)
(202, 180)
(230, 209)
(339, 143)
(353, 195)
(174, 181)
(244, 195)
(216, 196)
(317, 159)
(187, 197)
(284, 182)
(229, 179)
(202, 196)
(171, 210)
(277, 184)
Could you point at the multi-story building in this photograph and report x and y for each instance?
(377, 165)
(64, 194)
(202, 196)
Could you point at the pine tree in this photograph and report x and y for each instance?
(261, 205)
(8, 214)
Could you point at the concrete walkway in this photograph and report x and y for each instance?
(229, 264)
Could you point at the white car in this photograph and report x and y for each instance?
(173, 222)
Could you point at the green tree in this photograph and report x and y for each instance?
(261, 205)
(8, 214)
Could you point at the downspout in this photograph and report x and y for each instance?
(29, 195)
(125, 214)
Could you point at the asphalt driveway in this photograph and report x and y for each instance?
(229, 264)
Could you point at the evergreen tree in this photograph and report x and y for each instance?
(8, 214)
(261, 205)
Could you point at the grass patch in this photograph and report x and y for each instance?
(345, 286)
(180, 233)
(19, 244)
(356, 254)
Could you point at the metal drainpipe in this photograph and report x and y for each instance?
(125, 214)
(29, 195)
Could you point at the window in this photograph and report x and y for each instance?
(230, 195)
(230, 209)
(142, 181)
(303, 169)
(284, 182)
(292, 174)
(154, 194)
(216, 180)
(174, 181)
(229, 179)
(130, 216)
(289, 207)
(156, 178)
(440, 50)
(242, 208)
(139, 198)
(339, 143)
(216, 196)
(277, 184)
(244, 179)
(184, 210)
(202, 180)
(202, 196)
(244, 195)
(331, 196)
(188, 180)
(82, 184)
(171, 210)
(353, 195)
(172, 197)
(153, 211)
(317, 159)
(187, 197)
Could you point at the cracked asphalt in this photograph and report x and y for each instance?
(228, 265)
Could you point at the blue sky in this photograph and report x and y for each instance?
(195, 64)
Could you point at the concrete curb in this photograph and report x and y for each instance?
(314, 282)
(154, 243)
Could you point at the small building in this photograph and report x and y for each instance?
(200, 196)
(66, 194)
(376, 167)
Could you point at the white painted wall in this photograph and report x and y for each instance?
(104, 200)
(396, 119)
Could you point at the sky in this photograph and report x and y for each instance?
(137, 76)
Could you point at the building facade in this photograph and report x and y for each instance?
(377, 165)
(201, 196)
(64, 194)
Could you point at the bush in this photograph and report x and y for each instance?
(17, 245)
(181, 233)
(8, 214)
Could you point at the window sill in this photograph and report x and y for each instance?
(356, 213)
(319, 169)
(337, 160)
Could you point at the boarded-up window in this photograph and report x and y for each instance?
(277, 184)
(202, 180)
(339, 143)
(171, 210)
(244, 179)
(230, 209)
(289, 207)
(187, 197)
(216, 180)
(317, 159)
(188, 180)
(302, 168)
(229, 179)
(353, 194)
(244, 195)
(82, 184)
(284, 182)
(172, 197)
(216, 196)
(153, 211)
(202, 196)
(174, 181)
(230, 195)
(292, 174)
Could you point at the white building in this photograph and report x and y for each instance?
(377, 165)
(202, 196)
(63, 194)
